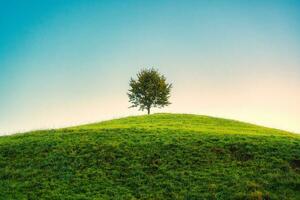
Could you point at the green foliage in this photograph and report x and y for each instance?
(149, 90)
(160, 156)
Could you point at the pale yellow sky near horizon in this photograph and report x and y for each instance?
(268, 103)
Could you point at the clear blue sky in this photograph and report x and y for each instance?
(65, 62)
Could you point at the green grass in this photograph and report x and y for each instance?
(161, 156)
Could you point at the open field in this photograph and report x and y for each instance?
(160, 156)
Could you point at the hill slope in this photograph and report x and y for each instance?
(161, 156)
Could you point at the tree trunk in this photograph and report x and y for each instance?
(148, 109)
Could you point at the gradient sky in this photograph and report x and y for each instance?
(66, 62)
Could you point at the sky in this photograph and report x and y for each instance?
(68, 62)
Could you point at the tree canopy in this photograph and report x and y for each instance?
(150, 89)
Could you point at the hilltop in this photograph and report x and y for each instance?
(160, 156)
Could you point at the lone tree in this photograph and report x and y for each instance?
(150, 89)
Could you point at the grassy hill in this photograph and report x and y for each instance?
(161, 156)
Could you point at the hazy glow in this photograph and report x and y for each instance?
(69, 62)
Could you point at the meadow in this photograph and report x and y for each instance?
(159, 156)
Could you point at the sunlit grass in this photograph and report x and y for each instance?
(161, 156)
